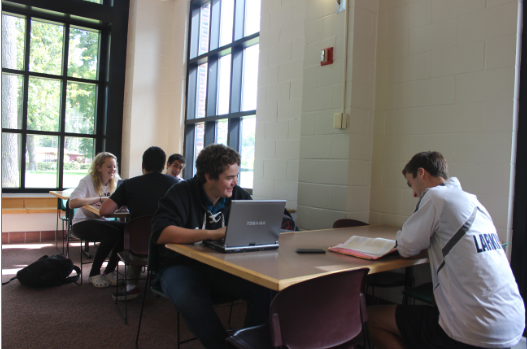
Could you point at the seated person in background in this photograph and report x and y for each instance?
(192, 211)
(175, 164)
(141, 195)
(95, 188)
(478, 303)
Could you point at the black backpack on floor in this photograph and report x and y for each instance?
(47, 272)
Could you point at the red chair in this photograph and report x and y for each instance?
(325, 312)
(382, 280)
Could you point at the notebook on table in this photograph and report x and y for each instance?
(254, 225)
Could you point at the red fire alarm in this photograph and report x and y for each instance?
(326, 56)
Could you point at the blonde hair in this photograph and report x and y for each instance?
(98, 161)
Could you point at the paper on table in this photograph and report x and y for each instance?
(376, 247)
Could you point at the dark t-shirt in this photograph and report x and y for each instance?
(141, 194)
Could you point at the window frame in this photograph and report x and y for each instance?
(211, 57)
(111, 20)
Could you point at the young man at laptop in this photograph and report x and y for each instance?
(478, 303)
(196, 210)
(141, 195)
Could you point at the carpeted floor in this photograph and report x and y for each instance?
(74, 316)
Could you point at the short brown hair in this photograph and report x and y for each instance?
(214, 159)
(432, 161)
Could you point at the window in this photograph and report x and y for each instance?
(56, 77)
(222, 80)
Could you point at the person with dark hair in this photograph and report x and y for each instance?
(154, 159)
(192, 211)
(478, 302)
(140, 195)
(432, 161)
(175, 164)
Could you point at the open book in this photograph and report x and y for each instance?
(363, 247)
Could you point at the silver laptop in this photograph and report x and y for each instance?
(254, 225)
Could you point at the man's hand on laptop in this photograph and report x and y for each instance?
(217, 234)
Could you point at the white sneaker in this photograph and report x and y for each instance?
(112, 278)
(99, 281)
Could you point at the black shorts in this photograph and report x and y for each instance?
(420, 329)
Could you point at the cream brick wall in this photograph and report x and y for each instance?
(323, 168)
(335, 164)
(446, 80)
(155, 80)
(280, 77)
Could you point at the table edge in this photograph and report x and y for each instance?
(227, 267)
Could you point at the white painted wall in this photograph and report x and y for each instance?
(155, 80)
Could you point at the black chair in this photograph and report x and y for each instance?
(348, 223)
(69, 214)
(218, 299)
(62, 206)
(423, 293)
(136, 237)
(387, 279)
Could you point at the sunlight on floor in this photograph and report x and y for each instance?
(25, 246)
(12, 271)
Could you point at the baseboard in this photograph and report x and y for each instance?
(29, 237)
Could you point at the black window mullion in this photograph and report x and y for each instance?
(49, 76)
(62, 113)
(210, 133)
(192, 91)
(189, 150)
(234, 137)
(194, 31)
(212, 86)
(236, 79)
(51, 133)
(221, 117)
(247, 41)
(214, 28)
(102, 89)
(239, 19)
(25, 103)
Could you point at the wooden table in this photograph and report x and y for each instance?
(65, 195)
(284, 267)
(61, 194)
(121, 214)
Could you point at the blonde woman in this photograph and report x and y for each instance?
(95, 188)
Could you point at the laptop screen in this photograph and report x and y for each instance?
(254, 222)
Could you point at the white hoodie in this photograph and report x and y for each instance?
(475, 290)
